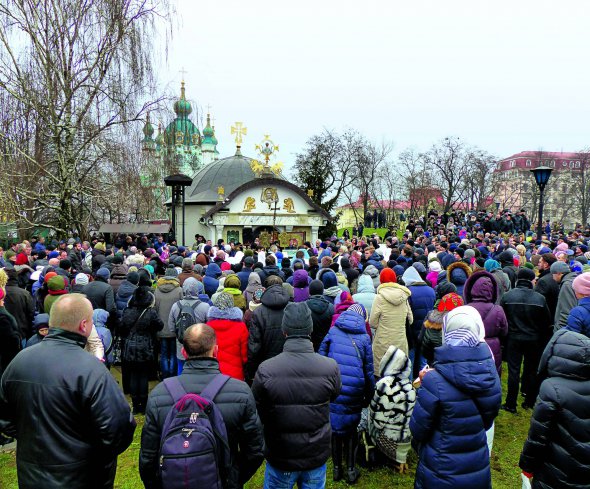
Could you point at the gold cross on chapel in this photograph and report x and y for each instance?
(239, 130)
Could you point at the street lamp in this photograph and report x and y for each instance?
(497, 204)
(178, 183)
(542, 174)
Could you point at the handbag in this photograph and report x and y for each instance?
(138, 347)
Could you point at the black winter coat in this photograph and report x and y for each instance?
(141, 319)
(293, 392)
(19, 303)
(9, 338)
(266, 337)
(557, 450)
(101, 296)
(68, 436)
(528, 316)
(548, 288)
(237, 406)
(270, 270)
(322, 311)
(123, 296)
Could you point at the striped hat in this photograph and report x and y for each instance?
(463, 326)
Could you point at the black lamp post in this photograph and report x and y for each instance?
(177, 183)
(542, 174)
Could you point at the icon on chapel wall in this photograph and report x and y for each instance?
(269, 196)
(289, 206)
(250, 204)
(264, 239)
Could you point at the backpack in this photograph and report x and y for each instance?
(186, 317)
(194, 451)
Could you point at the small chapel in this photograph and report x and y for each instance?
(236, 198)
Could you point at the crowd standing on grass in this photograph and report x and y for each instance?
(357, 348)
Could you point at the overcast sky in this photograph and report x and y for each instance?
(507, 76)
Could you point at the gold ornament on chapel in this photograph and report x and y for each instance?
(266, 150)
(250, 204)
(289, 206)
(269, 196)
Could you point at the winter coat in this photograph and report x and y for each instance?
(548, 288)
(10, 338)
(350, 346)
(579, 318)
(456, 404)
(232, 340)
(123, 296)
(457, 274)
(528, 316)
(238, 409)
(557, 449)
(372, 272)
(56, 288)
(168, 292)
(140, 318)
(390, 311)
(375, 260)
(101, 295)
(293, 391)
(503, 282)
(481, 294)
(351, 273)
(269, 270)
(300, 286)
(188, 274)
(211, 279)
(19, 303)
(118, 275)
(253, 284)
(75, 258)
(322, 311)
(266, 338)
(77, 449)
(432, 335)
(566, 300)
(190, 289)
(231, 286)
(244, 276)
(394, 398)
(421, 301)
(365, 293)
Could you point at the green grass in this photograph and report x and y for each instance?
(511, 432)
(370, 231)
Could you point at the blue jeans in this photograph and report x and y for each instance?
(306, 479)
(168, 357)
(180, 364)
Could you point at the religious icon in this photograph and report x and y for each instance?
(283, 239)
(269, 196)
(288, 205)
(264, 239)
(250, 204)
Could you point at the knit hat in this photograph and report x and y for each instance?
(419, 267)
(450, 302)
(469, 253)
(559, 267)
(133, 278)
(81, 279)
(491, 265)
(581, 284)
(232, 282)
(549, 258)
(9, 254)
(223, 301)
(329, 279)
(434, 266)
(187, 264)
(387, 275)
(21, 259)
(445, 288)
(297, 319)
(463, 327)
(103, 273)
(316, 287)
(257, 295)
(359, 309)
(171, 272)
(48, 276)
(526, 274)
(52, 254)
(100, 246)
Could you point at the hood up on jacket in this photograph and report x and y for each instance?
(167, 284)
(100, 317)
(481, 287)
(191, 288)
(351, 322)
(393, 293)
(458, 273)
(395, 363)
(254, 283)
(300, 279)
(365, 285)
(411, 276)
(213, 270)
(371, 271)
(275, 297)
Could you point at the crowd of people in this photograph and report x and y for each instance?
(295, 356)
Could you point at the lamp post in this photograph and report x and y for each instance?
(542, 174)
(177, 183)
(497, 204)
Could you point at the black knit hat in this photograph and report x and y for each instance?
(316, 287)
(297, 319)
(526, 274)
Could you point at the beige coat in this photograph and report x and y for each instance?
(388, 317)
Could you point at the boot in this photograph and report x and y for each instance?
(351, 445)
(337, 457)
(136, 405)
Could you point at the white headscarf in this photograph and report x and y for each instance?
(463, 326)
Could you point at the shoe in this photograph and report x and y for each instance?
(353, 475)
(509, 409)
(337, 474)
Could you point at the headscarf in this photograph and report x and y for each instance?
(463, 327)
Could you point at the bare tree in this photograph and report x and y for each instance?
(477, 188)
(579, 191)
(80, 70)
(418, 181)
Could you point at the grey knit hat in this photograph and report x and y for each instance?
(171, 272)
(297, 319)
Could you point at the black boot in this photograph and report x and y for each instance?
(337, 457)
(135, 402)
(351, 444)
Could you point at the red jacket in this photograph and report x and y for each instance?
(232, 340)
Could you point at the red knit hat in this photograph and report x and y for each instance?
(387, 275)
(449, 302)
(21, 259)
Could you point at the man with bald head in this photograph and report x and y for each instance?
(235, 402)
(66, 411)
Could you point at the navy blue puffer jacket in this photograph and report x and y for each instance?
(349, 344)
(124, 293)
(456, 404)
(211, 279)
(422, 302)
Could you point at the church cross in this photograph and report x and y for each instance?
(183, 72)
(239, 130)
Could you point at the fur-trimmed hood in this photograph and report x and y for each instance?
(230, 314)
(434, 320)
(458, 272)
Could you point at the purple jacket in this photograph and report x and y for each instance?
(300, 286)
(481, 292)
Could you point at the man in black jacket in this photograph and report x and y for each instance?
(101, 295)
(270, 269)
(529, 320)
(65, 409)
(234, 400)
(19, 303)
(293, 391)
(546, 284)
(322, 311)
